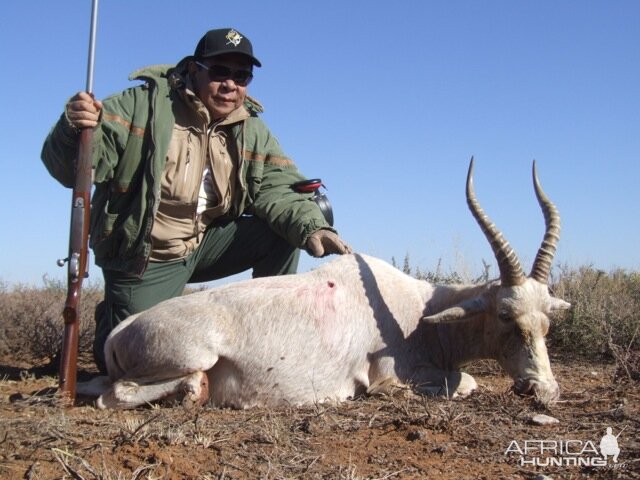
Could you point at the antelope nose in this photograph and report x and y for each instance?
(546, 391)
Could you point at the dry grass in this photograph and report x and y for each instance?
(604, 320)
(30, 322)
(399, 436)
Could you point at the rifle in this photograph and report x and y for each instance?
(77, 261)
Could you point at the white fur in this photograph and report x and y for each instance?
(324, 335)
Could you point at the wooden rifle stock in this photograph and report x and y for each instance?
(77, 262)
(78, 239)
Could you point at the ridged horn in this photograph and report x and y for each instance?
(544, 257)
(510, 270)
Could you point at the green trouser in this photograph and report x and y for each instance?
(225, 250)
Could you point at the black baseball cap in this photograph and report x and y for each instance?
(225, 40)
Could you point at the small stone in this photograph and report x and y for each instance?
(541, 419)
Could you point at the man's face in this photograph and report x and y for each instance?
(221, 96)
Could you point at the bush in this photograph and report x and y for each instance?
(604, 319)
(603, 322)
(31, 325)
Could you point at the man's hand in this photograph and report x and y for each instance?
(325, 242)
(83, 111)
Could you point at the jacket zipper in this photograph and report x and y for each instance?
(205, 147)
(188, 162)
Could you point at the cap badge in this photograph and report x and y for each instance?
(234, 38)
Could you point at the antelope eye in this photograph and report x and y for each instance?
(505, 316)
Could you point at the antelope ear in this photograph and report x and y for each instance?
(457, 313)
(558, 304)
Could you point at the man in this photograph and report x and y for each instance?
(190, 185)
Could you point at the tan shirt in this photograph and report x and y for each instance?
(199, 178)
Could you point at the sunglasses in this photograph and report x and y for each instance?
(220, 73)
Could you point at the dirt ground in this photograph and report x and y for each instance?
(487, 435)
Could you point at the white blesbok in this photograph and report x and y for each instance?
(354, 325)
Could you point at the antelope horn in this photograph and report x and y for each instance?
(508, 263)
(544, 257)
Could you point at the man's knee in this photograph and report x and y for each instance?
(107, 317)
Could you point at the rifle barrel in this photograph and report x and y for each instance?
(92, 45)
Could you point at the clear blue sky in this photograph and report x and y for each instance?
(385, 101)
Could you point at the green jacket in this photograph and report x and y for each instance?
(129, 154)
